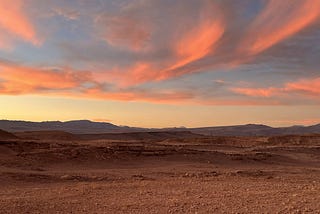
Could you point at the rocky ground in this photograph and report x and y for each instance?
(200, 175)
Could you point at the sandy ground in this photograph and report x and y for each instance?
(171, 176)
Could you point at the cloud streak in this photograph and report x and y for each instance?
(278, 21)
(304, 87)
(187, 47)
(163, 51)
(199, 41)
(125, 31)
(17, 79)
(15, 22)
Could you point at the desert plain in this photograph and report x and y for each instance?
(158, 172)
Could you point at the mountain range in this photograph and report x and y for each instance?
(90, 127)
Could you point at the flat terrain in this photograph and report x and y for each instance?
(191, 174)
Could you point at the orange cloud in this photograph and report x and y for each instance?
(309, 87)
(198, 42)
(239, 102)
(125, 31)
(166, 97)
(256, 92)
(16, 79)
(132, 75)
(139, 73)
(278, 21)
(21, 79)
(14, 21)
(190, 47)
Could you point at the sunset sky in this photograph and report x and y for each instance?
(161, 63)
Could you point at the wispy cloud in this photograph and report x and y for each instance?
(66, 13)
(19, 79)
(302, 87)
(278, 21)
(15, 22)
(147, 50)
(199, 41)
(124, 31)
(256, 92)
(305, 86)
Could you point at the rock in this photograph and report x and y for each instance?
(66, 177)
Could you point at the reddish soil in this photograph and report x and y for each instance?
(176, 175)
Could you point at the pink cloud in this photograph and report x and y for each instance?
(199, 41)
(278, 21)
(307, 86)
(163, 96)
(187, 47)
(14, 21)
(256, 92)
(17, 79)
(128, 76)
(125, 31)
(304, 87)
(187, 51)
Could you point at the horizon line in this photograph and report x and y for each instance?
(168, 127)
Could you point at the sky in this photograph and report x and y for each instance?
(161, 63)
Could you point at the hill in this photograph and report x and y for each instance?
(256, 130)
(75, 126)
(90, 127)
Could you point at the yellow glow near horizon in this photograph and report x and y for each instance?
(138, 114)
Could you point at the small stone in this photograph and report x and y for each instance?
(66, 177)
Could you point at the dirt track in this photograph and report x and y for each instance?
(231, 175)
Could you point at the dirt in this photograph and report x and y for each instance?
(181, 175)
(6, 135)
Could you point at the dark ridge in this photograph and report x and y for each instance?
(46, 135)
(6, 135)
(90, 127)
(159, 135)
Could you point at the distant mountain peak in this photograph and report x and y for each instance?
(256, 125)
(79, 121)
